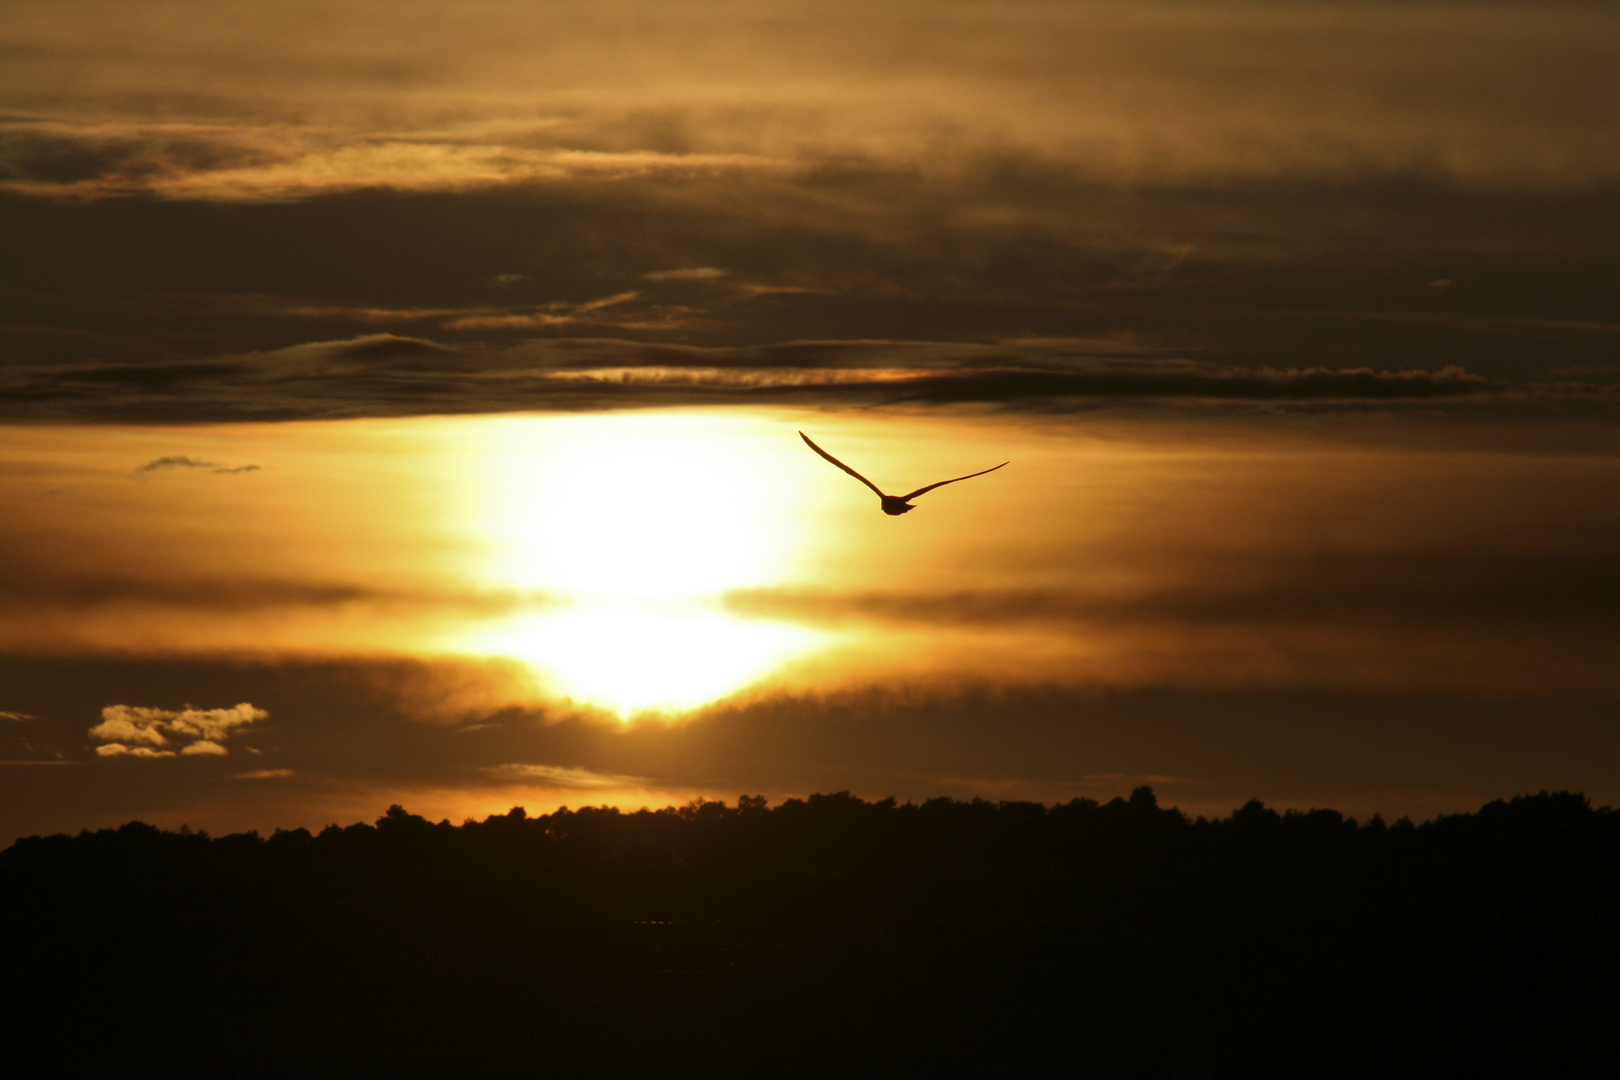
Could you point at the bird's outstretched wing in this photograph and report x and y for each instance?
(841, 465)
(942, 483)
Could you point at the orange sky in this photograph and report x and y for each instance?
(427, 377)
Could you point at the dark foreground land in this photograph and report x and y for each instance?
(826, 937)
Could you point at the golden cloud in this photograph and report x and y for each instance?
(202, 731)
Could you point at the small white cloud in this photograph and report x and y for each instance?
(120, 750)
(262, 774)
(694, 273)
(129, 723)
(214, 723)
(202, 731)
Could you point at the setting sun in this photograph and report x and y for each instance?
(635, 525)
(632, 656)
(632, 506)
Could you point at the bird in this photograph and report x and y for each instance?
(893, 505)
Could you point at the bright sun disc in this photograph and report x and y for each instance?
(633, 507)
(635, 525)
(630, 657)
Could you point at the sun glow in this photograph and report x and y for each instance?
(632, 657)
(645, 506)
(635, 525)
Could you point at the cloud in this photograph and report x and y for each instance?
(695, 273)
(120, 750)
(40, 589)
(1407, 585)
(1248, 192)
(201, 730)
(126, 724)
(254, 104)
(214, 723)
(557, 776)
(1005, 252)
(16, 716)
(555, 314)
(181, 461)
(263, 774)
(387, 375)
(175, 461)
(244, 160)
(528, 316)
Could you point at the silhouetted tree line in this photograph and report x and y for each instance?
(827, 936)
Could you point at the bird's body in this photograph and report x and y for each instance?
(893, 505)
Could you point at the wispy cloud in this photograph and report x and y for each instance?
(694, 273)
(108, 750)
(174, 461)
(263, 774)
(15, 716)
(555, 314)
(248, 162)
(558, 776)
(41, 589)
(181, 461)
(1408, 585)
(262, 107)
(389, 375)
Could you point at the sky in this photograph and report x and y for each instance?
(400, 403)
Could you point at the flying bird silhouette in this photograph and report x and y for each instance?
(893, 505)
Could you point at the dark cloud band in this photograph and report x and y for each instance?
(385, 375)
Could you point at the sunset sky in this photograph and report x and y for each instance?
(399, 402)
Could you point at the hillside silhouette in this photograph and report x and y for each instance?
(826, 936)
